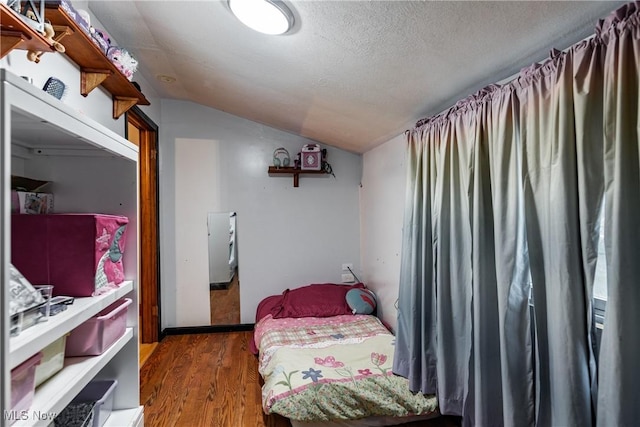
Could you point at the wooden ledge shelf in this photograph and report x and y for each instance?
(95, 68)
(17, 34)
(296, 172)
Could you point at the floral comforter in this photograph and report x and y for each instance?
(337, 368)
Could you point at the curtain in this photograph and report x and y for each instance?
(561, 131)
(501, 376)
(463, 317)
(619, 369)
(433, 341)
(507, 187)
(416, 340)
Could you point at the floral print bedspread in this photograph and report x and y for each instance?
(342, 375)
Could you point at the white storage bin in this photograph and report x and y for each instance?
(52, 360)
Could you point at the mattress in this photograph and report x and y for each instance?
(334, 369)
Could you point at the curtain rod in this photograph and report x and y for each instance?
(504, 81)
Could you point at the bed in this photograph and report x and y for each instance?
(324, 365)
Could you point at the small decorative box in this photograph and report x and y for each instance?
(311, 157)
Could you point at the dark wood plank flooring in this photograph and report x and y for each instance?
(211, 380)
(225, 303)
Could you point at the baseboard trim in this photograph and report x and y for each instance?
(207, 329)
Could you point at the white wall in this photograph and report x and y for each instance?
(193, 200)
(381, 215)
(287, 237)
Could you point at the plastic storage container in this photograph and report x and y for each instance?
(52, 360)
(91, 407)
(97, 334)
(23, 384)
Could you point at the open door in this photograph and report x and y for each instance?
(143, 132)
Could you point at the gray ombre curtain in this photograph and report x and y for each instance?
(416, 301)
(463, 323)
(619, 364)
(509, 183)
(561, 132)
(500, 390)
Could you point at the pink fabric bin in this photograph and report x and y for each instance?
(79, 254)
(23, 385)
(97, 334)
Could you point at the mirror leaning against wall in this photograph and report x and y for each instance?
(224, 281)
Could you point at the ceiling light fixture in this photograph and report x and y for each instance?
(266, 16)
(165, 79)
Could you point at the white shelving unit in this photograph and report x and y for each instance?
(92, 170)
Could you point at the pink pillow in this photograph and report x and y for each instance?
(269, 305)
(317, 300)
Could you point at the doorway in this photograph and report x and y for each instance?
(143, 132)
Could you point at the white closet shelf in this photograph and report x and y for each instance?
(56, 393)
(126, 417)
(37, 337)
(81, 156)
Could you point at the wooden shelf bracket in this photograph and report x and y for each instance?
(122, 104)
(10, 41)
(91, 79)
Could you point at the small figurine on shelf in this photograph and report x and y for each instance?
(49, 32)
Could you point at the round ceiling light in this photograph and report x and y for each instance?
(165, 79)
(266, 16)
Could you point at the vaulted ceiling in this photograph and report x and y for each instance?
(351, 74)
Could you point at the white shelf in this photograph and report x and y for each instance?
(37, 337)
(93, 169)
(56, 393)
(126, 417)
(40, 121)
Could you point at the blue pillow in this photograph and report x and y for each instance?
(361, 301)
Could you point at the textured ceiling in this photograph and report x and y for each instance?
(351, 74)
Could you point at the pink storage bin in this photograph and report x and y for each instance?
(80, 254)
(97, 334)
(23, 384)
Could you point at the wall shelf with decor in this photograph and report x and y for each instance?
(296, 172)
(95, 68)
(17, 34)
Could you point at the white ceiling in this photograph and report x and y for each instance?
(351, 74)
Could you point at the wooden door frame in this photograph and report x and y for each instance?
(150, 320)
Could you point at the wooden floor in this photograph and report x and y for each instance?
(211, 380)
(203, 380)
(225, 304)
